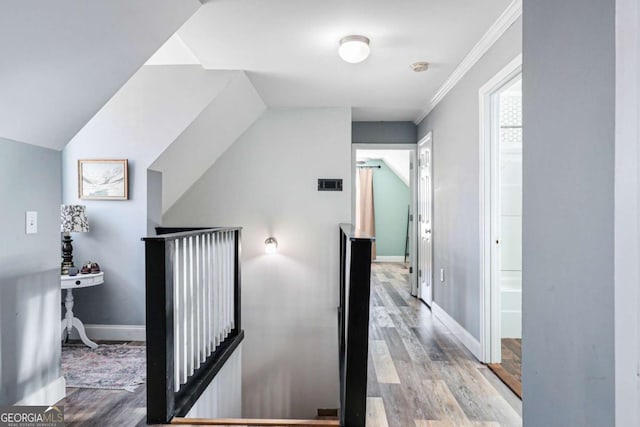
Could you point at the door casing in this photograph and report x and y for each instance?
(413, 261)
(489, 185)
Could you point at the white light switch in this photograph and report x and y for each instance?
(442, 274)
(32, 222)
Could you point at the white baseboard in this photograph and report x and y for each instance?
(47, 395)
(389, 258)
(469, 341)
(113, 332)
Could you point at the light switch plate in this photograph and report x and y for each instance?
(31, 222)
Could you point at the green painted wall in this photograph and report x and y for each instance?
(391, 201)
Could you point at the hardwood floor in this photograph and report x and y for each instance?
(419, 373)
(510, 370)
(91, 407)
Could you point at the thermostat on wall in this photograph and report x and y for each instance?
(327, 184)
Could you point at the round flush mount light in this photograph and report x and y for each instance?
(354, 49)
(420, 66)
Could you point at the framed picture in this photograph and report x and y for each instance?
(103, 179)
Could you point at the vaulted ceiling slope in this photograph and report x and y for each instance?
(62, 60)
(289, 49)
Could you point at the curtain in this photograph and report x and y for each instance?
(365, 216)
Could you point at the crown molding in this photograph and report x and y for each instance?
(499, 27)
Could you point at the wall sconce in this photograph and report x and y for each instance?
(271, 245)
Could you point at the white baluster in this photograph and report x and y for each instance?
(205, 298)
(176, 314)
(220, 290)
(183, 313)
(190, 312)
(211, 322)
(232, 257)
(198, 313)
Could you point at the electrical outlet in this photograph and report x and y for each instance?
(442, 274)
(31, 220)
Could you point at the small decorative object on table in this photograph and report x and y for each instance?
(73, 219)
(90, 268)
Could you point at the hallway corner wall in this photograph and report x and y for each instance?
(30, 276)
(568, 218)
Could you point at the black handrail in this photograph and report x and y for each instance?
(163, 402)
(353, 324)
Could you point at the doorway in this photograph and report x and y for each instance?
(383, 202)
(501, 223)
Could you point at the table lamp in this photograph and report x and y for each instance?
(73, 219)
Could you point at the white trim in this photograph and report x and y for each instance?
(489, 294)
(627, 214)
(113, 332)
(469, 341)
(499, 27)
(388, 258)
(48, 395)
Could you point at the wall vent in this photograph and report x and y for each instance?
(328, 184)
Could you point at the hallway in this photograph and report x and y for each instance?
(419, 373)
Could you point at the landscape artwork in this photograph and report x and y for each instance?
(103, 179)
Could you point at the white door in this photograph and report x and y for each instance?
(425, 201)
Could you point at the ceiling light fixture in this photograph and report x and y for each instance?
(354, 49)
(418, 67)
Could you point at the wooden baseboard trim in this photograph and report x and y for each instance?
(253, 422)
(508, 379)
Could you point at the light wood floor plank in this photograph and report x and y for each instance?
(385, 369)
(376, 415)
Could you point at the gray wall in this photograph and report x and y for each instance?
(266, 182)
(456, 237)
(568, 95)
(383, 132)
(29, 270)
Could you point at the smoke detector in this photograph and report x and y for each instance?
(420, 66)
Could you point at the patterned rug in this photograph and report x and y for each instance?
(110, 367)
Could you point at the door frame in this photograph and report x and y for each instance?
(413, 276)
(428, 138)
(627, 214)
(490, 342)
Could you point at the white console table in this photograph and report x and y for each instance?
(70, 283)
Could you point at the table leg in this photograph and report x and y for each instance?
(83, 335)
(70, 321)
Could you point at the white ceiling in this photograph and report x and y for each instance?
(289, 49)
(60, 61)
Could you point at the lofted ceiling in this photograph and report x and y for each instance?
(289, 49)
(62, 60)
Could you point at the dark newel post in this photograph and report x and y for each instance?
(237, 303)
(358, 334)
(159, 330)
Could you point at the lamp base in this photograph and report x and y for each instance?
(67, 254)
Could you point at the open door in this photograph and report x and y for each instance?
(425, 209)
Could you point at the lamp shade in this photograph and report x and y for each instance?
(73, 219)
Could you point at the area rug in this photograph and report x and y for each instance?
(110, 367)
